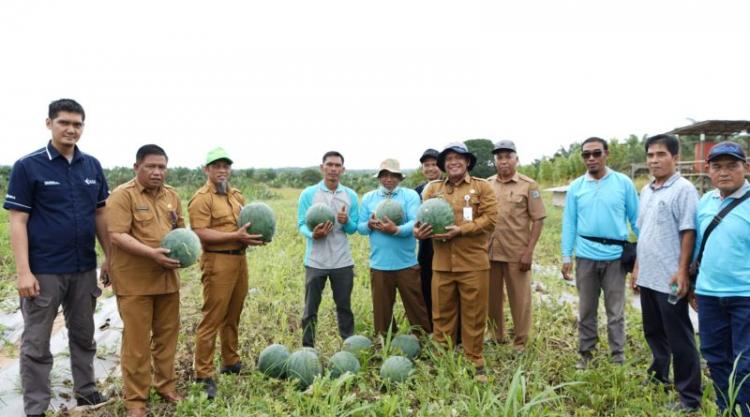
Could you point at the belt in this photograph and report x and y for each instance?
(227, 252)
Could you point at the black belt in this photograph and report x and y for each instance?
(227, 252)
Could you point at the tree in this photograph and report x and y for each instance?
(482, 149)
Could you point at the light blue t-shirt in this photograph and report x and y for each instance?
(725, 268)
(332, 251)
(599, 208)
(391, 252)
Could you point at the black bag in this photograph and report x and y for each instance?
(695, 266)
(629, 250)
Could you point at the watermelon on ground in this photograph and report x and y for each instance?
(261, 218)
(436, 212)
(272, 360)
(317, 214)
(392, 209)
(356, 344)
(396, 369)
(184, 246)
(303, 366)
(406, 344)
(343, 362)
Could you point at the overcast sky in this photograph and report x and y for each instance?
(278, 83)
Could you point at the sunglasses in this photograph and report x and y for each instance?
(596, 154)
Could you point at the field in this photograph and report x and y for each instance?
(540, 382)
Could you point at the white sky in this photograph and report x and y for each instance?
(278, 83)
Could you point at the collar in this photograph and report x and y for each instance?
(737, 194)
(382, 192)
(607, 171)
(322, 186)
(671, 180)
(141, 189)
(467, 179)
(514, 178)
(53, 153)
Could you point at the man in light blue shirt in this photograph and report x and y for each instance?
(723, 284)
(393, 260)
(598, 205)
(328, 255)
(666, 221)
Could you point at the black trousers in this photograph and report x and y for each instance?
(670, 335)
(424, 257)
(342, 283)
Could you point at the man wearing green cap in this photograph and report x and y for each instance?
(214, 210)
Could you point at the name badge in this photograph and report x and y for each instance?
(468, 212)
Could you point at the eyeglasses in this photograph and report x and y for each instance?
(596, 154)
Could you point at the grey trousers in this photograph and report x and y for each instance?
(77, 293)
(593, 278)
(342, 282)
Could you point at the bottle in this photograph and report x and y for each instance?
(673, 297)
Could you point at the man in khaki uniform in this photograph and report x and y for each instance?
(214, 212)
(519, 224)
(461, 265)
(139, 214)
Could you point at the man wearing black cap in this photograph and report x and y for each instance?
(461, 264)
(430, 171)
(723, 284)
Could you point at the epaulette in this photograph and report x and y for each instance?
(479, 178)
(525, 178)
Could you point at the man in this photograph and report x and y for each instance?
(666, 221)
(461, 265)
(723, 285)
(214, 212)
(598, 205)
(520, 219)
(145, 280)
(393, 262)
(430, 170)
(56, 198)
(328, 255)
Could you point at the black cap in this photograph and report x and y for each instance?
(429, 153)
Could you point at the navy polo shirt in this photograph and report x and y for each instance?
(61, 198)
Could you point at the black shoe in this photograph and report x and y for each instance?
(91, 401)
(232, 369)
(209, 387)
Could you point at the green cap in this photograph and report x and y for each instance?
(217, 153)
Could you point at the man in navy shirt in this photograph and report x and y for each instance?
(56, 201)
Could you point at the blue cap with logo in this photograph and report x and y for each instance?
(728, 148)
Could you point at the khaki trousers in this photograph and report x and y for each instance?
(470, 289)
(151, 324)
(224, 291)
(518, 284)
(408, 283)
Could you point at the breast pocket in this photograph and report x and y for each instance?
(143, 218)
(663, 214)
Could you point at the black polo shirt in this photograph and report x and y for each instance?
(61, 198)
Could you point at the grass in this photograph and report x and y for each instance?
(540, 382)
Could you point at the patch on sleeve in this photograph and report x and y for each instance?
(535, 194)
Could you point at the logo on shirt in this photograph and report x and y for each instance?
(51, 183)
(89, 181)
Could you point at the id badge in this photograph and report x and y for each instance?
(468, 214)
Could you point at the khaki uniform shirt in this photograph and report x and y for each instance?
(467, 251)
(131, 209)
(519, 204)
(210, 210)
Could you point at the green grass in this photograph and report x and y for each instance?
(540, 382)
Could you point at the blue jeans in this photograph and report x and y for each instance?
(725, 335)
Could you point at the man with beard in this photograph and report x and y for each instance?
(598, 207)
(430, 170)
(214, 212)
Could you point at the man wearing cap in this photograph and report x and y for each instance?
(214, 211)
(461, 264)
(139, 214)
(56, 197)
(328, 256)
(430, 170)
(520, 218)
(598, 207)
(723, 285)
(393, 263)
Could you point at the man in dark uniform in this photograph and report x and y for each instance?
(431, 172)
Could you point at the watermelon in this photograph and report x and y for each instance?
(261, 218)
(437, 213)
(406, 344)
(356, 344)
(317, 214)
(183, 245)
(272, 360)
(311, 350)
(303, 366)
(392, 209)
(343, 362)
(396, 369)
